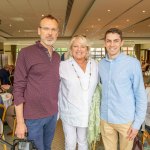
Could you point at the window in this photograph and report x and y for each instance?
(97, 53)
(128, 51)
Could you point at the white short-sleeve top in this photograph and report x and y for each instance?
(75, 95)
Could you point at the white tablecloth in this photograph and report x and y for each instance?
(7, 99)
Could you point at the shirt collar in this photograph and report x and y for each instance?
(70, 59)
(42, 47)
(115, 59)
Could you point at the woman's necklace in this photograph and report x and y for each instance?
(80, 78)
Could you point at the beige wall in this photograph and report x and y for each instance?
(7, 50)
(145, 46)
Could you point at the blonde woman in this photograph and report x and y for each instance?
(79, 77)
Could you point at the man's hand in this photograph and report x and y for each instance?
(21, 129)
(132, 133)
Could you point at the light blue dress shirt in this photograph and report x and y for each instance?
(123, 93)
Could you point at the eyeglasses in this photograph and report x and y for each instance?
(47, 29)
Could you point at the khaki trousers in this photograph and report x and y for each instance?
(110, 133)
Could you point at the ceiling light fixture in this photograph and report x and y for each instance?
(108, 10)
(30, 31)
(144, 11)
(127, 20)
(19, 19)
(98, 19)
(10, 25)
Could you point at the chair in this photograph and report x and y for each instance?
(2, 112)
(14, 126)
(11, 79)
(146, 135)
(11, 119)
(2, 118)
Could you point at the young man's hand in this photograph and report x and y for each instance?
(132, 133)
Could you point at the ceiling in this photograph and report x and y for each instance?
(19, 19)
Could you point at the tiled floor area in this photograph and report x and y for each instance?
(58, 142)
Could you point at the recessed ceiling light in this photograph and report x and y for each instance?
(30, 31)
(42, 15)
(87, 30)
(108, 10)
(133, 31)
(127, 20)
(18, 30)
(92, 26)
(98, 19)
(144, 11)
(10, 25)
(19, 19)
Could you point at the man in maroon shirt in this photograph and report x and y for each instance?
(36, 85)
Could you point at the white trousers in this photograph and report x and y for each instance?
(74, 135)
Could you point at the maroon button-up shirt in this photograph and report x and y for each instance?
(36, 82)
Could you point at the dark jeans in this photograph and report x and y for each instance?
(41, 131)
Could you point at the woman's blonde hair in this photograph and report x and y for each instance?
(83, 40)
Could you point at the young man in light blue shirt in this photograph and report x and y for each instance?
(124, 103)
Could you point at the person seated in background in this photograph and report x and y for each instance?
(4, 75)
(65, 56)
(7, 88)
(6, 95)
(146, 123)
(147, 118)
(147, 82)
(145, 67)
(10, 113)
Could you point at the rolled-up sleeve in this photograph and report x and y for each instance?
(20, 79)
